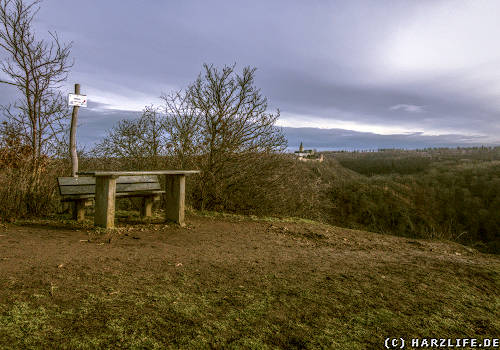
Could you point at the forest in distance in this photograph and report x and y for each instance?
(449, 193)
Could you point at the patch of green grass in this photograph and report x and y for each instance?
(23, 326)
(180, 313)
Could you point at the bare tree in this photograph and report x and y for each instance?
(35, 67)
(222, 117)
(183, 129)
(152, 132)
(139, 139)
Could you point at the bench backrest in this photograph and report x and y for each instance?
(124, 184)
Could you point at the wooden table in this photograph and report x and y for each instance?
(105, 192)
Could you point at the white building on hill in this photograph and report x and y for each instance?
(308, 155)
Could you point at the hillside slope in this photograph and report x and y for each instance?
(239, 283)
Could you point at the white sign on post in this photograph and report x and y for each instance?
(77, 100)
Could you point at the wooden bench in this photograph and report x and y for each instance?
(81, 191)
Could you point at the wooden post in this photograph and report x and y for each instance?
(78, 207)
(175, 198)
(147, 206)
(105, 192)
(79, 210)
(72, 136)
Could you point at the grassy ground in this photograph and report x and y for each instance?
(235, 282)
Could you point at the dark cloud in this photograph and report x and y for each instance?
(317, 60)
(338, 139)
(303, 93)
(94, 125)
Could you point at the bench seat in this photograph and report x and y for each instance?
(71, 198)
(81, 191)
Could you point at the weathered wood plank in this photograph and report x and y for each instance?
(156, 194)
(69, 190)
(123, 173)
(75, 181)
(141, 194)
(148, 186)
(77, 197)
(90, 180)
(90, 189)
(136, 179)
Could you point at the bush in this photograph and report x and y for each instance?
(18, 199)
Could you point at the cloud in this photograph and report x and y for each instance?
(340, 139)
(358, 65)
(94, 124)
(444, 35)
(407, 108)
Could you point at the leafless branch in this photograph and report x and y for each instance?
(36, 67)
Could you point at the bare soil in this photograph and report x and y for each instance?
(237, 283)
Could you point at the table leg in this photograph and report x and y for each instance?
(105, 192)
(79, 210)
(147, 207)
(175, 198)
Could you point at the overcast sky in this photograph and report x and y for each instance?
(394, 73)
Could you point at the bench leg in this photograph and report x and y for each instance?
(175, 198)
(147, 207)
(79, 210)
(105, 192)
